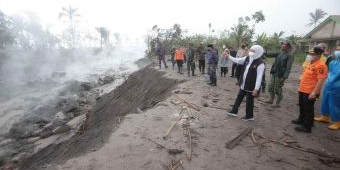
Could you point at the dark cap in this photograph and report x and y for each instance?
(315, 50)
(287, 42)
(210, 45)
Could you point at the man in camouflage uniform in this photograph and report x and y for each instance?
(212, 56)
(200, 55)
(190, 56)
(279, 73)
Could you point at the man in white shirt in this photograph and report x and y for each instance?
(250, 80)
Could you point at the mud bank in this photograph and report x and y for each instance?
(142, 90)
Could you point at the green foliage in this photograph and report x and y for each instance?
(245, 29)
(270, 43)
(170, 38)
(258, 17)
(299, 57)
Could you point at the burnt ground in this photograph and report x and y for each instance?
(142, 90)
(132, 145)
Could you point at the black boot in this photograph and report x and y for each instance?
(214, 82)
(297, 122)
(303, 129)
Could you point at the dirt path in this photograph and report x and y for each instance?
(133, 145)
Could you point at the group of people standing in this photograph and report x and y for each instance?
(249, 69)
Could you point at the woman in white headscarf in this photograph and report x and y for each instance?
(250, 80)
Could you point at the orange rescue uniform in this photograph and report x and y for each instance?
(179, 54)
(313, 71)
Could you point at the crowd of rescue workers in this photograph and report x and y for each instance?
(321, 75)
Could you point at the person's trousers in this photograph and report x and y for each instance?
(201, 65)
(233, 69)
(306, 116)
(238, 71)
(191, 66)
(162, 58)
(179, 65)
(173, 64)
(330, 103)
(224, 71)
(275, 87)
(249, 104)
(212, 73)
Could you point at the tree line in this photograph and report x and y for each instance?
(26, 32)
(244, 30)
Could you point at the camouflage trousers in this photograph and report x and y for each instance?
(275, 87)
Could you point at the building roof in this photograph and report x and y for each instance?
(335, 19)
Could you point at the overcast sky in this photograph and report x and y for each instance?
(137, 16)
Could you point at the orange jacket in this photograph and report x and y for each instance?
(313, 71)
(179, 54)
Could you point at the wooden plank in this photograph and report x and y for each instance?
(173, 124)
(231, 144)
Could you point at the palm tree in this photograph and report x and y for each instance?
(240, 33)
(316, 17)
(70, 14)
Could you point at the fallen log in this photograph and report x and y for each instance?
(190, 143)
(173, 124)
(197, 108)
(328, 161)
(183, 92)
(253, 137)
(308, 150)
(231, 144)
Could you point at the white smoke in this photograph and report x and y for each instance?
(39, 74)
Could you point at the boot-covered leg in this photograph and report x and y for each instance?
(278, 100)
(215, 81)
(322, 118)
(334, 126)
(271, 99)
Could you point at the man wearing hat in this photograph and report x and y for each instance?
(279, 73)
(330, 108)
(312, 78)
(323, 58)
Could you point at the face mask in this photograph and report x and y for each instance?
(310, 58)
(252, 54)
